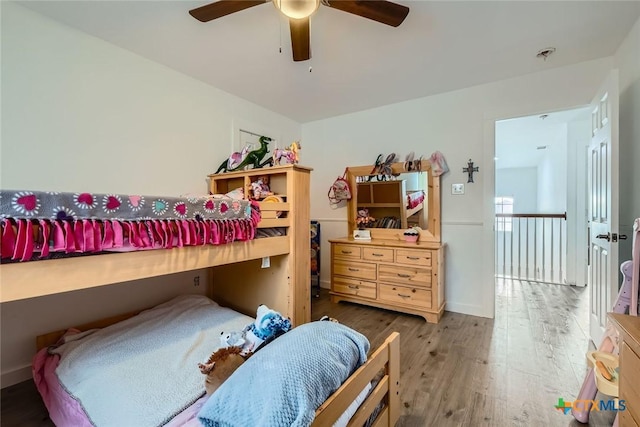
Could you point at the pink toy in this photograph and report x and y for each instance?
(289, 154)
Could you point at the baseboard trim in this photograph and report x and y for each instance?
(15, 376)
(470, 309)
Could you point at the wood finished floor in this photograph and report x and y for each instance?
(463, 371)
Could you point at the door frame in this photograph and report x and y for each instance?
(488, 233)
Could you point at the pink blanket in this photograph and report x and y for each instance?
(64, 411)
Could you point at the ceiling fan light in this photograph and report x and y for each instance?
(297, 9)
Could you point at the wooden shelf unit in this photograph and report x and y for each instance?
(291, 183)
(387, 199)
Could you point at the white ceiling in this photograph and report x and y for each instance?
(356, 63)
(518, 140)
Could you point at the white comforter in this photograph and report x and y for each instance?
(143, 371)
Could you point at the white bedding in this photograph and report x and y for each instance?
(181, 333)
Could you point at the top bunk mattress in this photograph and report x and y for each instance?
(37, 224)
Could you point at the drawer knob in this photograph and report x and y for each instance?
(353, 269)
(404, 275)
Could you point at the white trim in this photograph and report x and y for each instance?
(330, 219)
(16, 376)
(455, 223)
(487, 278)
(469, 309)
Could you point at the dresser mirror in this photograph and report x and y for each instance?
(388, 207)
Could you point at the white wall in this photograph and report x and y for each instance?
(627, 60)
(522, 185)
(461, 125)
(81, 114)
(552, 174)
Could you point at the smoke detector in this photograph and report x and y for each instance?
(546, 52)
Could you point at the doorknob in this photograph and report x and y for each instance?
(622, 236)
(606, 237)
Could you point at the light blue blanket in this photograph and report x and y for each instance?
(143, 371)
(285, 382)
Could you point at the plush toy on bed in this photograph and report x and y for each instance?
(236, 347)
(220, 365)
(269, 325)
(232, 339)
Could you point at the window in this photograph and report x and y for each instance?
(504, 205)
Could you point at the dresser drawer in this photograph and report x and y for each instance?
(405, 275)
(377, 254)
(413, 257)
(359, 270)
(354, 287)
(406, 295)
(347, 251)
(630, 379)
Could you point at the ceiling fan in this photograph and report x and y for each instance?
(299, 11)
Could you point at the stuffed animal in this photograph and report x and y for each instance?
(220, 365)
(239, 346)
(326, 318)
(268, 325)
(232, 339)
(260, 188)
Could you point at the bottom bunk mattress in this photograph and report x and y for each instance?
(144, 371)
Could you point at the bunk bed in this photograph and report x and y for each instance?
(285, 286)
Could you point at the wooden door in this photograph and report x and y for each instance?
(603, 206)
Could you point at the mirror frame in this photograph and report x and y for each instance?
(431, 234)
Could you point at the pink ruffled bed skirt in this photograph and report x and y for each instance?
(23, 238)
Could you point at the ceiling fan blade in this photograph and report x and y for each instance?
(382, 11)
(220, 8)
(300, 43)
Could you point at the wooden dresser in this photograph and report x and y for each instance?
(406, 277)
(629, 328)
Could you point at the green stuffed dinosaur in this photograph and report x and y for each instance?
(253, 157)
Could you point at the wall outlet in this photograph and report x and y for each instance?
(196, 281)
(457, 188)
